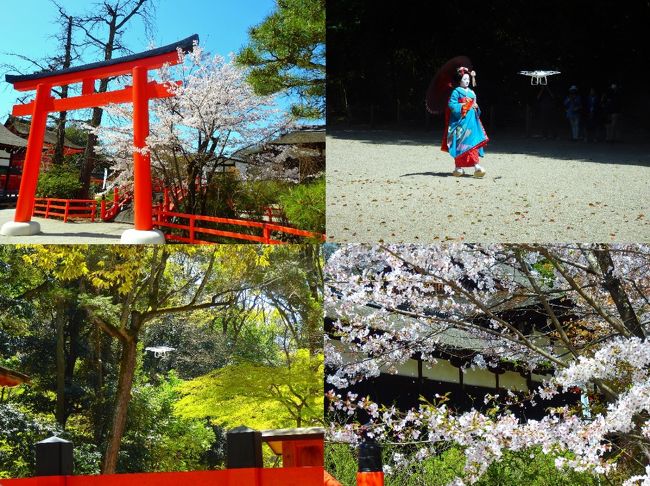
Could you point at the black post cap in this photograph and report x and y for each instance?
(54, 457)
(243, 448)
(370, 456)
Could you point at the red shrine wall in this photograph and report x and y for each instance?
(17, 160)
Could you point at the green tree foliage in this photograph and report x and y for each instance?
(158, 439)
(274, 396)
(208, 342)
(529, 467)
(76, 319)
(286, 53)
(142, 285)
(304, 205)
(59, 181)
(254, 196)
(19, 431)
(296, 291)
(16, 284)
(76, 135)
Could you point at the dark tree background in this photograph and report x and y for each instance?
(382, 55)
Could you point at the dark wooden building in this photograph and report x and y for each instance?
(13, 147)
(304, 149)
(21, 128)
(454, 374)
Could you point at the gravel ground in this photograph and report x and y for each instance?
(55, 231)
(397, 187)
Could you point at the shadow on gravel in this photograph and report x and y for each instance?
(81, 235)
(431, 174)
(513, 144)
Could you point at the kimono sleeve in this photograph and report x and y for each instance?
(455, 105)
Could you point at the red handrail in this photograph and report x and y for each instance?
(191, 231)
(191, 228)
(65, 208)
(108, 213)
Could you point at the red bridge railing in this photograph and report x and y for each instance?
(110, 209)
(177, 227)
(193, 227)
(48, 207)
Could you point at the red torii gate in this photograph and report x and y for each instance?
(139, 94)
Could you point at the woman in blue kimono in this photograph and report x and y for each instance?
(465, 136)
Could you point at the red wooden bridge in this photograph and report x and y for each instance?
(177, 227)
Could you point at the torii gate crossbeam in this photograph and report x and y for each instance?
(141, 91)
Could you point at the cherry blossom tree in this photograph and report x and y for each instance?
(390, 302)
(196, 133)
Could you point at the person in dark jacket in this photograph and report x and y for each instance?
(613, 113)
(592, 116)
(573, 106)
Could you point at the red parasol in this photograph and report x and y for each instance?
(443, 82)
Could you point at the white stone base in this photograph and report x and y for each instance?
(141, 237)
(14, 228)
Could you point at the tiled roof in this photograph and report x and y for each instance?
(301, 136)
(22, 127)
(10, 139)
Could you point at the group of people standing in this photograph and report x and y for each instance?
(594, 116)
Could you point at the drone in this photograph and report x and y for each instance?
(538, 77)
(159, 351)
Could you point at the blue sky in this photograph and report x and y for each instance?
(222, 25)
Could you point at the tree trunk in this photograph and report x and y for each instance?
(123, 396)
(75, 323)
(90, 158)
(60, 361)
(617, 291)
(97, 411)
(60, 134)
(313, 321)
